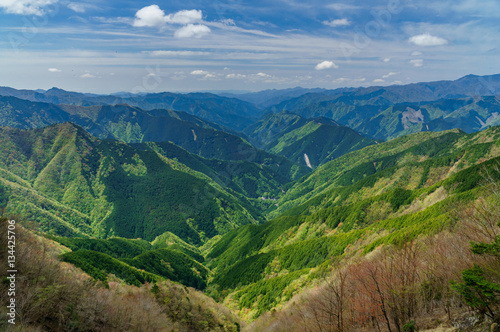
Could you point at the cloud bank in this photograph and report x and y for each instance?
(26, 7)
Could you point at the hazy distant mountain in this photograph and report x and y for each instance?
(267, 98)
(230, 112)
(383, 119)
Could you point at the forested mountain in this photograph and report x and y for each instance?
(385, 194)
(74, 184)
(236, 114)
(230, 112)
(469, 103)
(311, 142)
(133, 125)
(57, 296)
(357, 209)
(383, 120)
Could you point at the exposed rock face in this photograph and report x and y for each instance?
(411, 116)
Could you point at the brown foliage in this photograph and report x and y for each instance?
(55, 296)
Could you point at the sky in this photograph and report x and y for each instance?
(141, 46)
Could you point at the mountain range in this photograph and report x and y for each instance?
(275, 205)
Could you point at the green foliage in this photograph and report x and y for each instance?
(410, 327)
(173, 265)
(174, 262)
(399, 197)
(259, 253)
(99, 265)
(73, 184)
(266, 294)
(478, 292)
(292, 136)
(478, 289)
(4, 196)
(114, 247)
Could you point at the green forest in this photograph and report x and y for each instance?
(322, 212)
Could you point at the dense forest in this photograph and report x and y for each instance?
(341, 210)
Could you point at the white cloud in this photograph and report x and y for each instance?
(150, 16)
(205, 75)
(342, 6)
(378, 80)
(264, 75)
(416, 53)
(392, 73)
(386, 59)
(184, 17)
(227, 21)
(237, 76)
(79, 7)
(417, 62)
(342, 80)
(326, 65)
(114, 20)
(154, 16)
(87, 75)
(192, 30)
(55, 70)
(427, 40)
(199, 72)
(176, 53)
(26, 7)
(337, 23)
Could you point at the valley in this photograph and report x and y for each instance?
(356, 209)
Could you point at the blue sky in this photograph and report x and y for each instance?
(147, 46)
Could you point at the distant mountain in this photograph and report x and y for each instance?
(267, 98)
(134, 125)
(71, 183)
(230, 112)
(311, 142)
(379, 118)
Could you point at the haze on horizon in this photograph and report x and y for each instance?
(148, 46)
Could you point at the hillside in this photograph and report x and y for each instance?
(395, 192)
(74, 184)
(57, 296)
(295, 223)
(134, 125)
(310, 142)
(382, 119)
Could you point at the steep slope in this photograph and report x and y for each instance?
(133, 125)
(272, 126)
(56, 296)
(244, 177)
(397, 191)
(72, 183)
(310, 142)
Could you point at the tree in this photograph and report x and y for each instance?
(480, 285)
